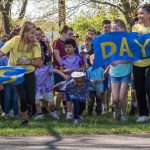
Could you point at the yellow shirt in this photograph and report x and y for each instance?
(12, 46)
(140, 28)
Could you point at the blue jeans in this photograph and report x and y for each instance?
(11, 99)
(79, 107)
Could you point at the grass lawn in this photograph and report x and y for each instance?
(92, 125)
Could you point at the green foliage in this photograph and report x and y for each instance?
(83, 23)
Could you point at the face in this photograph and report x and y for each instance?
(69, 34)
(75, 37)
(79, 81)
(106, 28)
(43, 37)
(69, 49)
(143, 15)
(87, 42)
(31, 34)
(38, 34)
(91, 34)
(115, 27)
(91, 60)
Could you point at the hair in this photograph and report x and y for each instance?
(71, 42)
(39, 29)
(27, 26)
(106, 22)
(120, 23)
(92, 30)
(77, 35)
(64, 29)
(146, 7)
(87, 37)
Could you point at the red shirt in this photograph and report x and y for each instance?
(60, 46)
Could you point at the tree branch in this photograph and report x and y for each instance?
(23, 10)
(107, 3)
(2, 9)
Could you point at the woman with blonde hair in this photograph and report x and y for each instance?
(25, 52)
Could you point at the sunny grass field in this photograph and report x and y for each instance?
(92, 125)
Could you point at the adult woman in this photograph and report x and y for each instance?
(141, 69)
(25, 52)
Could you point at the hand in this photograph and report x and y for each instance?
(105, 74)
(24, 61)
(66, 77)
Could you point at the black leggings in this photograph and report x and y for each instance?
(142, 86)
(26, 92)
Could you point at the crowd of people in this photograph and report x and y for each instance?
(64, 71)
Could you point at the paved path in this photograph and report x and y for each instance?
(84, 142)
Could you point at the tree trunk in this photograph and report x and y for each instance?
(6, 23)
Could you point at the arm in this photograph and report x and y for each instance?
(57, 55)
(1, 54)
(37, 62)
(106, 72)
(114, 63)
(66, 77)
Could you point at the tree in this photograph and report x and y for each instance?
(5, 10)
(127, 7)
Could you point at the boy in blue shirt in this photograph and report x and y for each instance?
(96, 89)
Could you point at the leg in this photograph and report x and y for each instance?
(14, 101)
(38, 106)
(82, 106)
(91, 100)
(99, 98)
(139, 80)
(30, 90)
(2, 100)
(147, 85)
(123, 97)
(7, 89)
(76, 109)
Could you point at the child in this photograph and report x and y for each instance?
(96, 91)
(44, 89)
(10, 96)
(88, 50)
(77, 91)
(69, 63)
(120, 74)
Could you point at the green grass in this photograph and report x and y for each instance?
(92, 125)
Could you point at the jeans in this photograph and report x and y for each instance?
(11, 99)
(79, 107)
(142, 87)
(91, 100)
(2, 100)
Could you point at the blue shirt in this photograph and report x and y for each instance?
(96, 74)
(120, 70)
(78, 93)
(4, 61)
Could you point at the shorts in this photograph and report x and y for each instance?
(45, 96)
(124, 79)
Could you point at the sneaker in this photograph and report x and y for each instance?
(69, 116)
(124, 118)
(54, 115)
(7, 116)
(39, 117)
(117, 113)
(3, 114)
(76, 121)
(58, 112)
(104, 112)
(24, 122)
(142, 119)
(81, 119)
